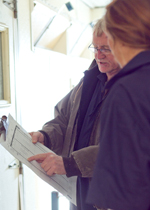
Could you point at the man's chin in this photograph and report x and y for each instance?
(103, 70)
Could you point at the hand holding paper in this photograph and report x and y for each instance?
(37, 137)
(19, 143)
(51, 163)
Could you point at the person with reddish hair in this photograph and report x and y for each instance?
(121, 179)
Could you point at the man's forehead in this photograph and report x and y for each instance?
(100, 46)
(100, 40)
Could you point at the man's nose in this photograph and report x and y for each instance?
(100, 55)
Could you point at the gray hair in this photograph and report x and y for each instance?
(98, 28)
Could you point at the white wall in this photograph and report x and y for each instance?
(45, 82)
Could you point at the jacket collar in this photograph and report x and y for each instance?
(143, 58)
(93, 72)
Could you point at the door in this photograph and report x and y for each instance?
(9, 173)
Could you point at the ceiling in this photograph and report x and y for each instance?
(56, 28)
(83, 7)
(96, 3)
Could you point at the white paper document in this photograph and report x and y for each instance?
(18, 143)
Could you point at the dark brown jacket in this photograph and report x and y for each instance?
(62, 131)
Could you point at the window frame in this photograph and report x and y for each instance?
(4, 30)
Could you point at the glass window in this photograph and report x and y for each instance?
(1, 70)
(4, 66)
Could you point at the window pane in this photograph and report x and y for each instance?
(1, 70)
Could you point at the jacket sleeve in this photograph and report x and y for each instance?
(56, 128)
(85, 159)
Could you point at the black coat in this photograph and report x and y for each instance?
(121, 179)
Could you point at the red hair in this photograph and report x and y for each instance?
(129, 22)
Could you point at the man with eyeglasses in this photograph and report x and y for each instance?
(104, 59)
(74, 133)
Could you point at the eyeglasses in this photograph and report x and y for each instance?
(102, 50)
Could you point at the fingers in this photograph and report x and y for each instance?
(37, 137)
(51, 171)
(34, 136)
(39, 157)
(50, 158)
(50, 162)
(46, 160)
(53, 164)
